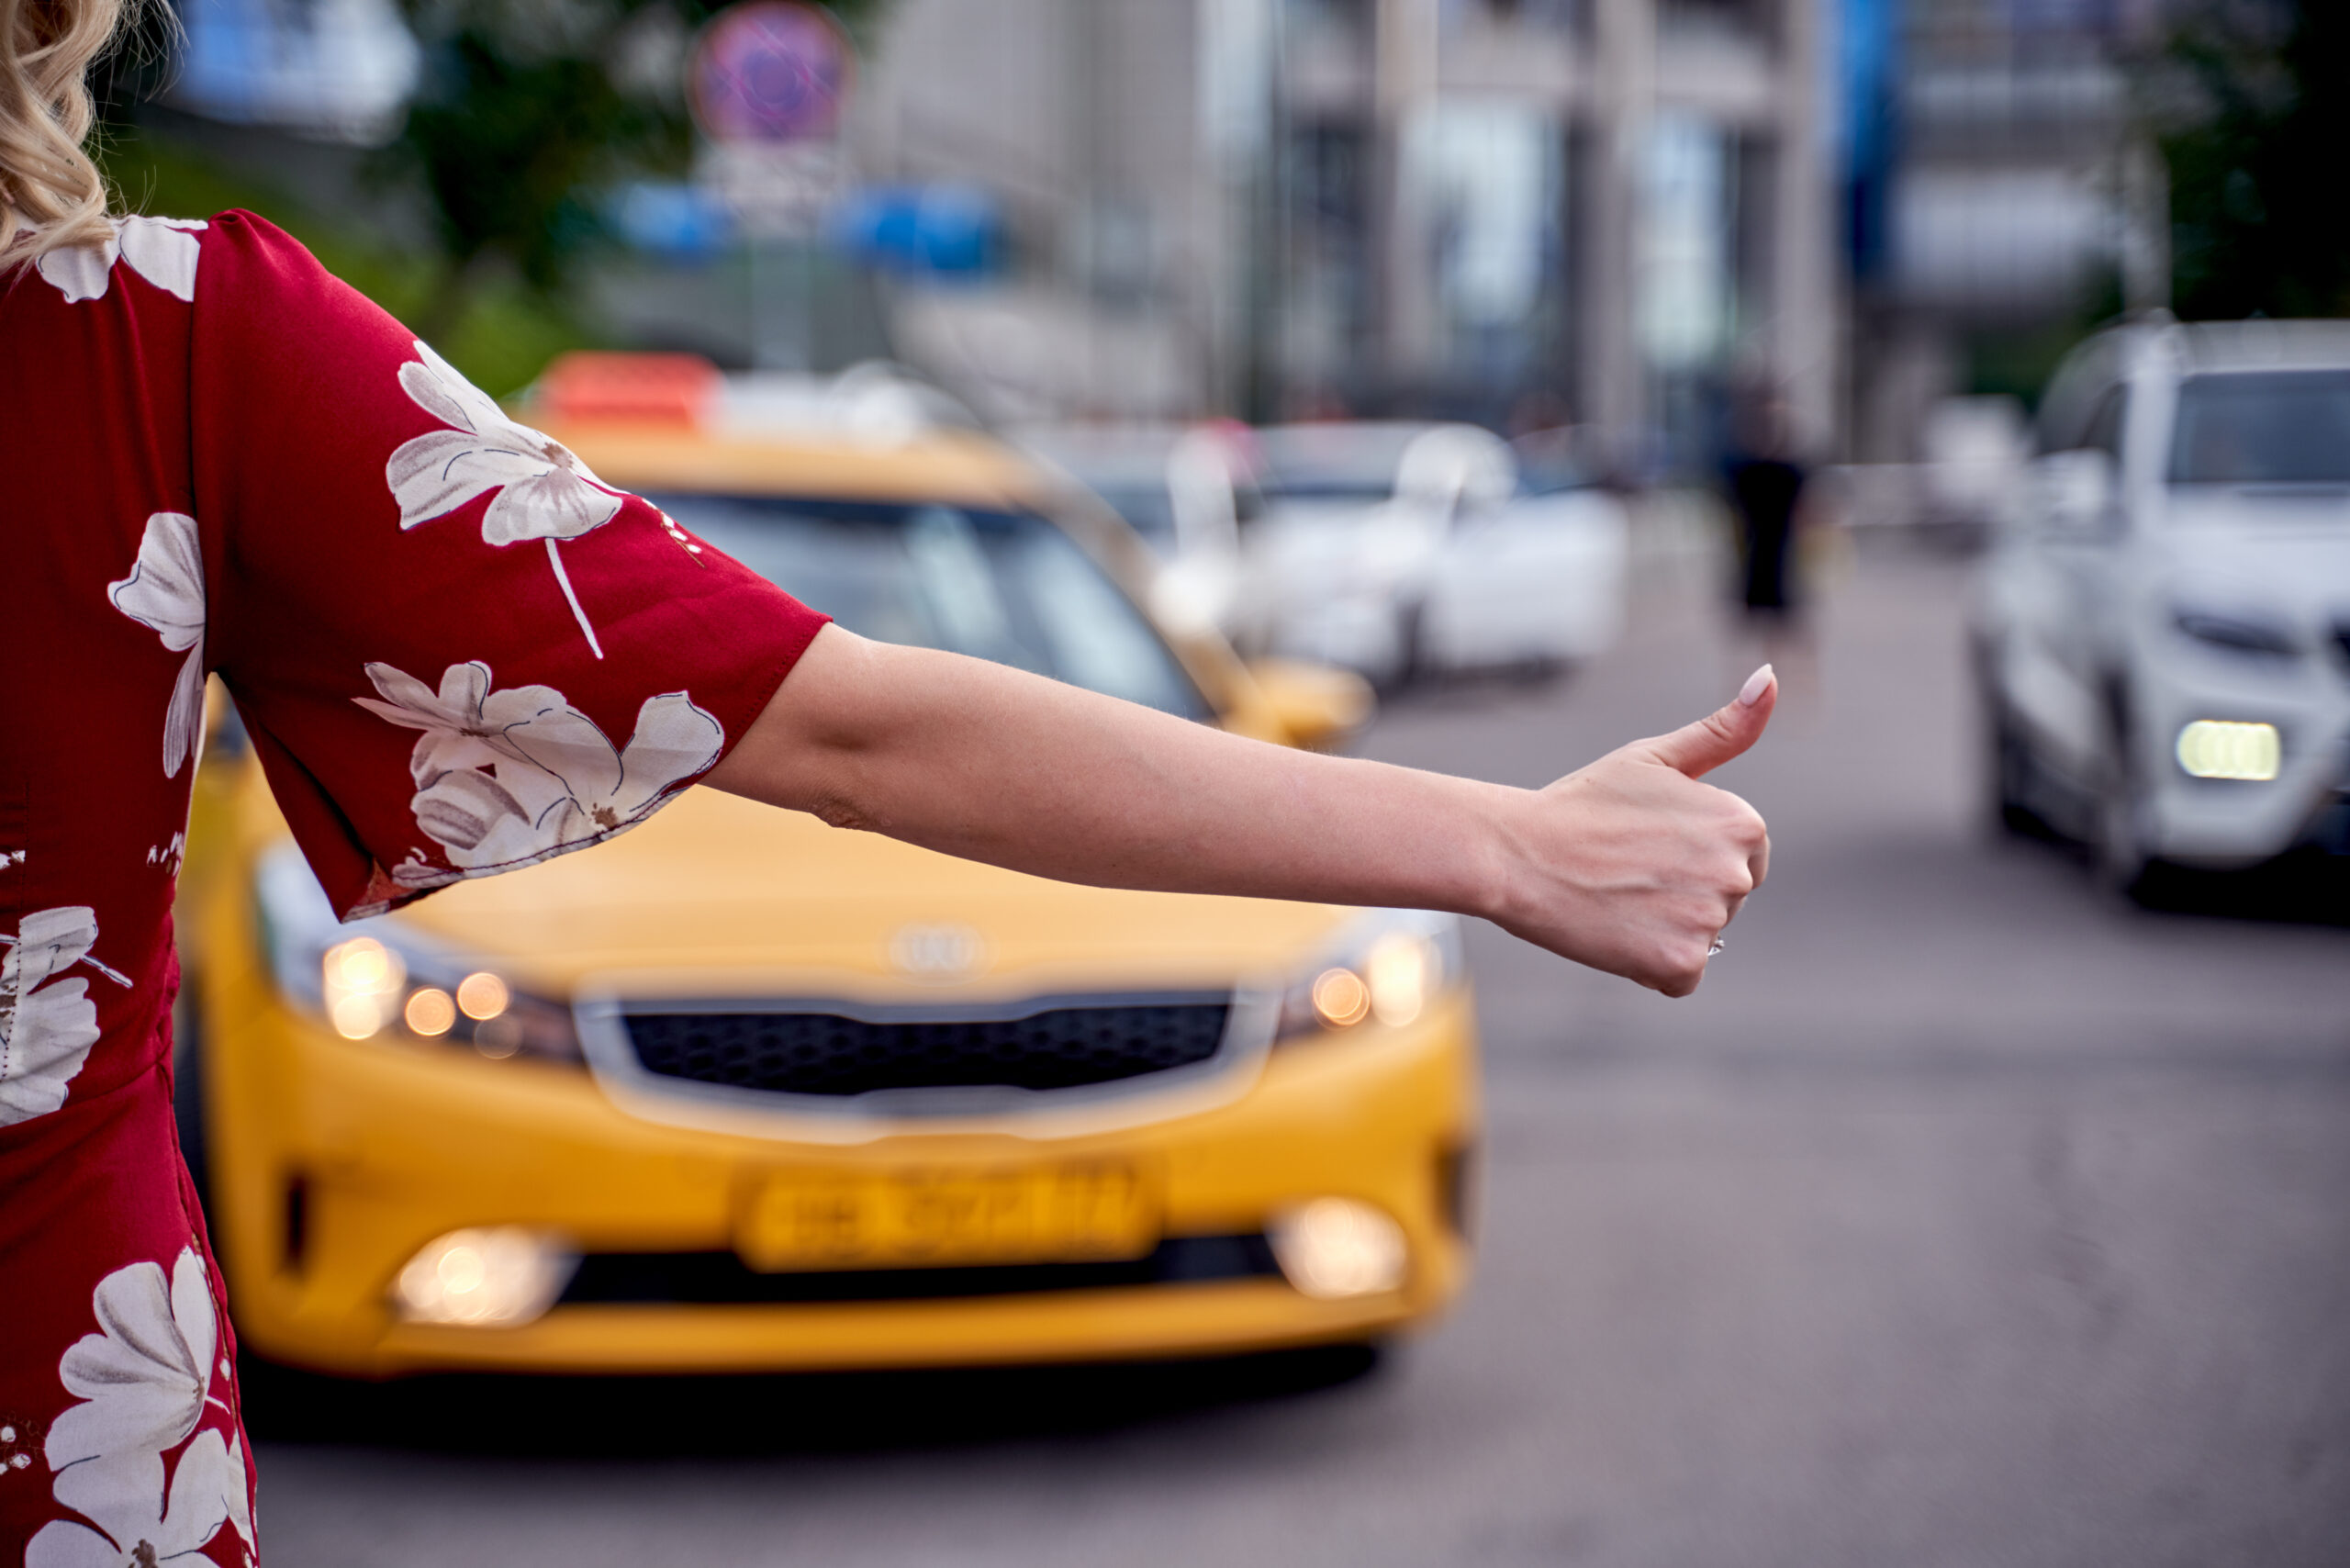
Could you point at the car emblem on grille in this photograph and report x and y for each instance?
(937, 952)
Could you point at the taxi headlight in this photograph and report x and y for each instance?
(360, 982)
(376, 976)
(1389, 966)
(490, 1277)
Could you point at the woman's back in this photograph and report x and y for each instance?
(457, 652)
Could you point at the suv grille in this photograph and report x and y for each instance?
(823, 1053)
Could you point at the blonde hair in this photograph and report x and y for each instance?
(51, 195)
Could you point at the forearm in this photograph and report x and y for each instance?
(1629, 865)
(992, 764)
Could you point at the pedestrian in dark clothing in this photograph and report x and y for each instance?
(1764, 490)
(1765, 483)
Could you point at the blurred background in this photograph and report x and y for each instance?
(1545, 364)
(1605, 213)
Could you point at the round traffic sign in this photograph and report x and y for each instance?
(771, 71)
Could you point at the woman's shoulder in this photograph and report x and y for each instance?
(239, 239)
(170, 253)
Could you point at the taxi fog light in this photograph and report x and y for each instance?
(2212, 748)
(490, 1277)
(1334, 1248)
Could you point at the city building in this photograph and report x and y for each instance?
(1602, 210)
(2003, 196)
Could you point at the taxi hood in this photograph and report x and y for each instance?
(716, 890)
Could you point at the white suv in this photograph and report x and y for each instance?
(2163, 630)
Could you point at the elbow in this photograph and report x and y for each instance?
(837, 808)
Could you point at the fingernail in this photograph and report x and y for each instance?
(1756, 685)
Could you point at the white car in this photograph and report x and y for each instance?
(1536, 582)
(2162, 631)
(1127, 466)
(1355, 515)
(1386, 548)
(1184, 490)
(1399, 548)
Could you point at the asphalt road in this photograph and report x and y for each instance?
(1965, 1216)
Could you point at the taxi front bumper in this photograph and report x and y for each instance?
(332, 1161)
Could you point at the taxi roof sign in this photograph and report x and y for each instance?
(637, 388)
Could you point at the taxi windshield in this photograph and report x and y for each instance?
(1003, 585)
(1146, 504)
(2283, 428)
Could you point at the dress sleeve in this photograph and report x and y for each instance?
(458, 650)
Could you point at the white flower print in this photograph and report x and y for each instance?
(508, 777)
(465, 723)
(143, 1384)
(165, 594)
(163, 251)
(46, 1024)
(543, 491)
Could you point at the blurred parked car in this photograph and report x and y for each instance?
(1534, 583)
(2162, 634)
(1388, 548)
(742, 1090)
(1974, 450)
(1184, 488)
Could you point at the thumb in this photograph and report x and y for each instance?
(1698, 749)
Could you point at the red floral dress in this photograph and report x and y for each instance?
(457, 651)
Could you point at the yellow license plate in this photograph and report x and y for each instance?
(911, 1218)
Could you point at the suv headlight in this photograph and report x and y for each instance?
(378, 977)
(2236, 633)
(1388, 967)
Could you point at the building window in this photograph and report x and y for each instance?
(1481, 193)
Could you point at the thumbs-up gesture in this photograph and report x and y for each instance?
(1634, 865)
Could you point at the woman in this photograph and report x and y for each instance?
(459, 652)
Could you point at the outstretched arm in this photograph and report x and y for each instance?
(1629, 865)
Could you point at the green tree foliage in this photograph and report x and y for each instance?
(501, 338)
(2259, 223)
(528, 109)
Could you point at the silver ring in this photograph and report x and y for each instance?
(1715, 948)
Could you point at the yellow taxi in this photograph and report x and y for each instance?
(739, 1091)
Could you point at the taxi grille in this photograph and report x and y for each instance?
(827, 1054)
(721, 1278)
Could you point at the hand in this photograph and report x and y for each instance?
(1631, 866)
